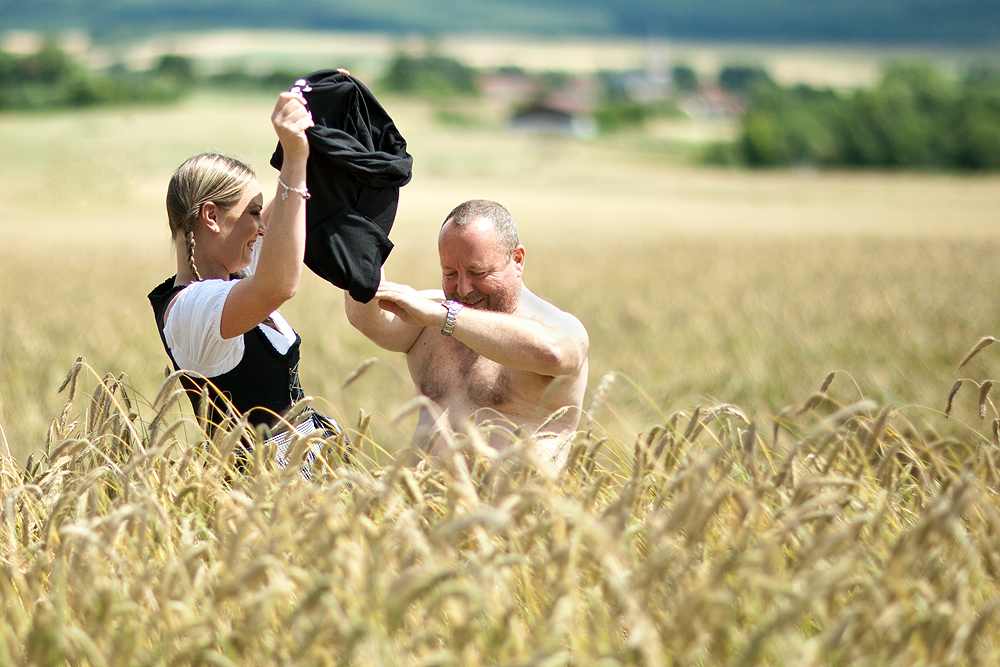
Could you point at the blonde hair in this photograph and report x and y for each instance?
(208, 177)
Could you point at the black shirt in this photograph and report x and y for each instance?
(357, 163)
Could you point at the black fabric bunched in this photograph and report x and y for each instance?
(357, 163)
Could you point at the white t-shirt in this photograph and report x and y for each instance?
(193, 330)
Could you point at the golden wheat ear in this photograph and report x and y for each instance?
(983, 343)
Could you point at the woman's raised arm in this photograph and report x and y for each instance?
(279, 267)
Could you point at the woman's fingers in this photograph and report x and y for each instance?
(296, 116)
(291, 118)
(303, 125)
(288, 98)
(291, 109)
(292, 95)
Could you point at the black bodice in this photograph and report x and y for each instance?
(263, 385)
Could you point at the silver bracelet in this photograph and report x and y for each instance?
(302, 192)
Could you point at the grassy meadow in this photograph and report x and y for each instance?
(689, 529)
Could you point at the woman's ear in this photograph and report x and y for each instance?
(209, 216)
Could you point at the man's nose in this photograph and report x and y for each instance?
(464, 285)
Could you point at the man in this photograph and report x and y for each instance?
(487, 346)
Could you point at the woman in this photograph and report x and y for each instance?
(218, 319)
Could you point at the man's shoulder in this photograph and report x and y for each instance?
(551, 314)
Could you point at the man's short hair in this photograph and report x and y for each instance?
(474, 209)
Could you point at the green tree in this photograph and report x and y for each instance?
(684, 78)
(981, 74)
(741, 79)
(613, 116)
(431, 74)
(763, 141)
(50, 64)
(915, 117)
(180, 68)
(8, 68)
(977, 127)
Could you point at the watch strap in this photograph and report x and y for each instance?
(453, 308)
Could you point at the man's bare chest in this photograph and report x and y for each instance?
(446, 371)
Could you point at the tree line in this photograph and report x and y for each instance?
(915, 116)
(50, 78)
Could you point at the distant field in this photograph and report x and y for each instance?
(744, 286)
(366, 53)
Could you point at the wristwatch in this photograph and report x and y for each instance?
(449, 320)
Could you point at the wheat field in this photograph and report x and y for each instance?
(728, 502)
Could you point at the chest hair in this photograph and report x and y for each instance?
(453, 369)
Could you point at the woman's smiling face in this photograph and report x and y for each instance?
(240, 228)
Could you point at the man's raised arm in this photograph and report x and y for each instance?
(556, 347)
(381, 326)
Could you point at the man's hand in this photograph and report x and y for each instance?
(409, 305)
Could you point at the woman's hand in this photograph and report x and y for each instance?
(291, 119)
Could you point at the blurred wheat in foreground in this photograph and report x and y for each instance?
(832, 535)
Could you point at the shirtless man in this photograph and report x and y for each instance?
(486, 344)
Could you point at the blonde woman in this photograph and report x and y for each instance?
(218, 315)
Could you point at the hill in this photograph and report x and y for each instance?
(927, 21)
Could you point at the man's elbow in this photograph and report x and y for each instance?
(360, 317)
(556, 360)
(351, 312)
(357, 315)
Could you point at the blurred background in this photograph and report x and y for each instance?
(734, 197)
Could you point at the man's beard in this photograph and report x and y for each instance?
(500, 301)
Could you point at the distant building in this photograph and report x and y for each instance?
(544, 118)
(566, 111)
(579, 95)
(644, 85)
(509, 87)
(649, 86)
(713, 102)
